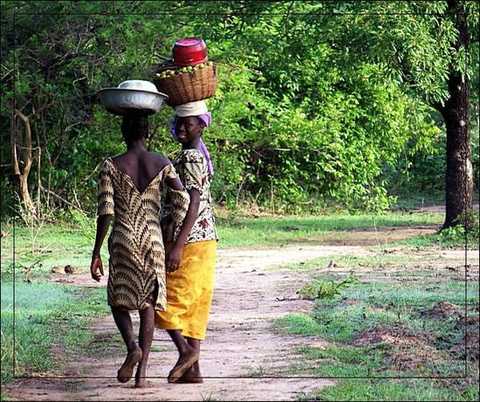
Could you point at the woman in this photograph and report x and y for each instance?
(130, 187)
(190, 288)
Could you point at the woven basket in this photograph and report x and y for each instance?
(188, 87)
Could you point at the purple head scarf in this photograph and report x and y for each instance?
(206, 118)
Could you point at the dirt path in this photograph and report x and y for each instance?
(240, 342)
(440, 209)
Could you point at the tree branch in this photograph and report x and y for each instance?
(13, 145)
(27, 146)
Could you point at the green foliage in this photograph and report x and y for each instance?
(311, 110)
(458, 235)
(58, 316)
(320, 289)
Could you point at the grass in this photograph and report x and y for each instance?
(459, 236)
(46, 315)
(456, 237)
(275, 231)
(376, 261)
(40, 249)
(416, 343)
(50, 245)
(391, 390)
(378, 304)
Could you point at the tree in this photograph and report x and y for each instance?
(426, 46)
(333, 119)
(21, 147)
(314, 103)
(459, 175)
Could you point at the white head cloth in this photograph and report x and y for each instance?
(199, 110)
(196, 108)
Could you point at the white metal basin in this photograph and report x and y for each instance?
(122, 101)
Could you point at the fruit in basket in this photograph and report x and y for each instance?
(188, 84)
(190, 69)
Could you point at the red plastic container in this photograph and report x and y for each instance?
(189, 52)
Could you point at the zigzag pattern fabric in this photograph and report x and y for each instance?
(135, 244)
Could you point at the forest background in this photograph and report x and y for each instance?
(319, 103)
(343, 113)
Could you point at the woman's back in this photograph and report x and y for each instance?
(142, 167)
(137, 260)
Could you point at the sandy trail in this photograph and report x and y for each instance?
(241, 346)
(240, 341)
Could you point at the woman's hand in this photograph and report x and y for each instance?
(173, 258)
(96, 268)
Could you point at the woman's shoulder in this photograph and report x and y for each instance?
(191, 156)
(158, 159)
(106, 164)
(161, 164)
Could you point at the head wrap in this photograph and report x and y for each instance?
(197, 109)
(191, 109)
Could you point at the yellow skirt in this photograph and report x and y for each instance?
(190, 291)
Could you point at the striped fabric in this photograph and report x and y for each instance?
(137, 256)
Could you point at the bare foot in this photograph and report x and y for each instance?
(141, 383)
(140, 375)
(126, 371)
(192, 375)
(185, 361)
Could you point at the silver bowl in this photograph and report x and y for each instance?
(122, 101)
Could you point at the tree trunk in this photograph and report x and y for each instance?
(459, 174)
(21, 168)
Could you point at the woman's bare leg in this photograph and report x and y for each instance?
(134, 353)
(188, 355)
(179, 341)
(145, 337)
(193, 374)
(194, 343)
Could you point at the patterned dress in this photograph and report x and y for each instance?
(135, 244)
(190, 287)
(193, 172)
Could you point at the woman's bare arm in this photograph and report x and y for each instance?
(96, 266)
(175, 254)
(103, 222)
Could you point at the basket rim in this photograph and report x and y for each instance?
(176, 68)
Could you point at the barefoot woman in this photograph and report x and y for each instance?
(189, 289)
(130, 189)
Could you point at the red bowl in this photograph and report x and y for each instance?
(189, 52)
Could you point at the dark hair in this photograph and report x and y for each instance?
(134, 127)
